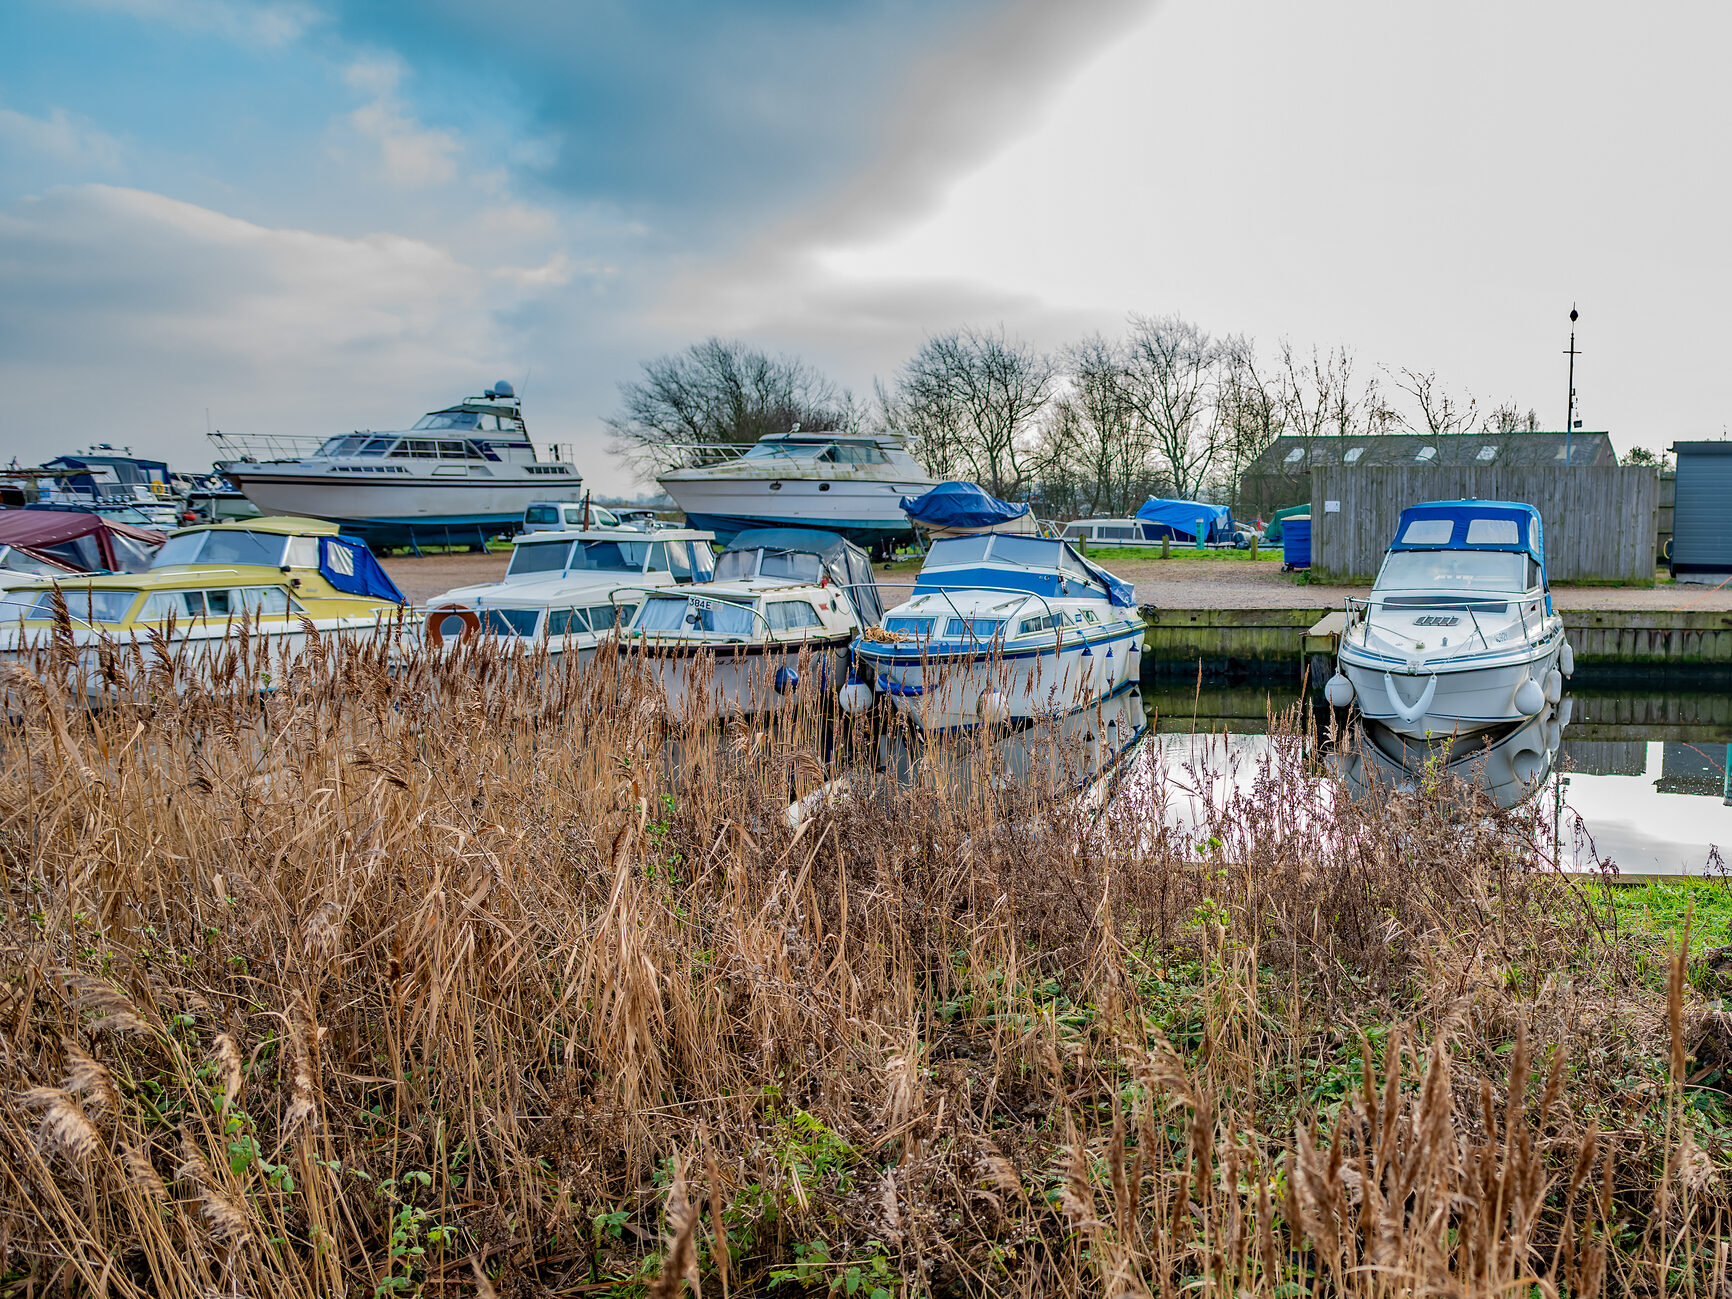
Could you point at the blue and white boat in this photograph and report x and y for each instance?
(460, 475)
(1458, 635)
(1001, 629)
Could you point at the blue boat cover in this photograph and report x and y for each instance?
(1472, 525)
(960, 505)
(1179, 518)
(349, 566)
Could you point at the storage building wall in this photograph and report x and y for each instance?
(1702, 508)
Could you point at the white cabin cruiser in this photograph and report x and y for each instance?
(781, 611)
(846, 483)
(462, 474)
(571, 590)
(1003, 629)
(1458, 635)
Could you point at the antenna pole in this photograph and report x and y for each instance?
(1570, 418)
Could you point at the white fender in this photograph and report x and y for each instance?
(993, 708)
(1554, 686)
(1529, 698)
(1554, 736)
(1339, 690)
(1566, 710)
(1525, 766)
(856, 697)
(1411, 714)
(1567, 659)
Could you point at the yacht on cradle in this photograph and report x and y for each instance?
(1457, 653)
(568, 591)
(460, 475)
(1001, 629)
(778, 617)
(846, 483)
(286, 579)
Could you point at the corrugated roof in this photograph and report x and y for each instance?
(1290, 454)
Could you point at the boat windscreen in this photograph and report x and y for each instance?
(1457, 570)
(1035, 552)
(610, 557)
(678, 614)
(221, 546)
(538, 557)
(957, 550)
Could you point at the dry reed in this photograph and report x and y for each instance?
(475, 974)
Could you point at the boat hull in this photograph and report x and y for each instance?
(1467, 698)
(413, 508)
(1509, 766)
(701, 682)
(865, 511)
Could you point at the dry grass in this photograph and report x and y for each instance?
(450, 979)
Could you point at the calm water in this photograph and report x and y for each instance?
(1640, 778)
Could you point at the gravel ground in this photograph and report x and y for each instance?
(1169, 584)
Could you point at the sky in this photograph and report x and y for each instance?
(306, 216)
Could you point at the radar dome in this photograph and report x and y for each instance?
(502, 389)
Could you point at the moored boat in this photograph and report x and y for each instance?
(460, 475)
(847, 483)
(1002, 629)
(1458, 634)
(284, 580)
(774, 623)
(568, 591)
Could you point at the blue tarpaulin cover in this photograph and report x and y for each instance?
(349, 566)
(1472, 525)
(1179, 519)
(960, 505)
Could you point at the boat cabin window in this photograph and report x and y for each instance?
(957, 550)
(769, 450)
(86, 606)
(160, 606)
(1428, 532)
(14, 560)
(376, 446)
(793, 564)
(453, 451)
(920, 628)
(221, 546)
(703, 560)
(538, 557)
(978, 628)
(847, 453)
(1078, 532)
(303, 552)
(679, 559)
(509, 622)
(1493, 532)
(614, 557)
(80, 552)
(463, 419)
(677, 613)
(342, 446)
(416, 449)
(1046, 622)
(1457, 570)
(791, 615)
(595, 618)
(1036, 552)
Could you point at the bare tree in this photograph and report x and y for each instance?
(720, 392)
(1439, 412)
(1171, 370)
(1108, 441)
(974, 398)
(1249, 413)
(1509, 417)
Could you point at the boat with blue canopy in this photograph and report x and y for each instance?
(1458, 639)
(1001, 629)
(958, 509)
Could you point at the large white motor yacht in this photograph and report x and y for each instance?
(774, 624)
(460, 475)
(570, 590)
(1002, 629)
(1458, 635)
(850, 484)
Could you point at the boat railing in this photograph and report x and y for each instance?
(967, 618)
(265, 446)
(700, 455)
(1359, 610)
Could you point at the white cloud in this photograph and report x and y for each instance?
(139, 311)
(60, 136)
(412, 155)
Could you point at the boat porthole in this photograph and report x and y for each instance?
(823, 487)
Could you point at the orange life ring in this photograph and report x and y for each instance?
(436, 618)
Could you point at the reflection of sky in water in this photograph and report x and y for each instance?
(1644, 830)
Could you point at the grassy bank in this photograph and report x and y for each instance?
(451, 980)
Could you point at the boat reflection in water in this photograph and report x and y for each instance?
(1510, 766)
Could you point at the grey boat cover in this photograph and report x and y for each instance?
(848, 566)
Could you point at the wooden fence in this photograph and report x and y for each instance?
(1599, 521)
